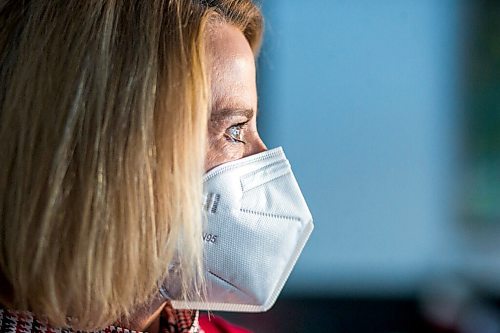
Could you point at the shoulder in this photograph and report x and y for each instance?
(173, 321)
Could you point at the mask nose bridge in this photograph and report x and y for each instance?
(264, 174)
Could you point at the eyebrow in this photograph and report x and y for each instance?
(226, 113)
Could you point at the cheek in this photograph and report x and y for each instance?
(220, 151)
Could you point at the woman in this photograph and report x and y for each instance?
(105, 110)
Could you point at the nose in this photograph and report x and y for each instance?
(255, 146)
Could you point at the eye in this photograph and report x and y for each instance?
(235, 133)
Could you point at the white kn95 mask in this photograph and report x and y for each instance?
(256, 224)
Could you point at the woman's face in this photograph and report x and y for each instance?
(232, 127)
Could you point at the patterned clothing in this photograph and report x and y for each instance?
(171, 321)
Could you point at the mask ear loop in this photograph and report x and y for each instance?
(164, 293)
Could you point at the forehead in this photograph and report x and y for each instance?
(231, 66)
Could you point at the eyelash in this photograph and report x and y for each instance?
(230, 137)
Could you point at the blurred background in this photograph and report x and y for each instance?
(389, 112)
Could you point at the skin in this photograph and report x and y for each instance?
(234, 97)
(232, 128)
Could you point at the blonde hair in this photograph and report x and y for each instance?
(103, 115)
